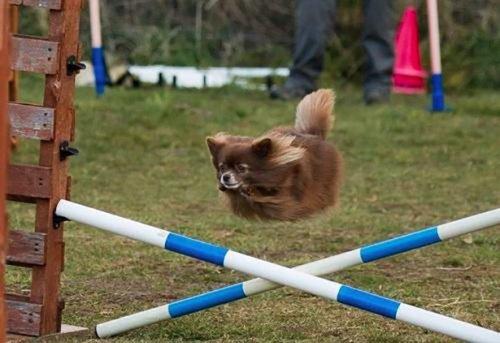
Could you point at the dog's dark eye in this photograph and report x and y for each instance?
(241, 168)
(221, 166)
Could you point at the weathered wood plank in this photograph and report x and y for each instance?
(17, 297)
(4, 149)
(23, 317)
(26, 248)
(29, 181)
(31, 121)
(50, 4)
(59, 93)
(34, 55)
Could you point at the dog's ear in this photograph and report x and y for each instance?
(214, 144)
(262, 147)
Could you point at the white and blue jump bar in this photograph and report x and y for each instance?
(298, 278)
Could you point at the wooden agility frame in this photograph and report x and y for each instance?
(52, 123)
(4, 149)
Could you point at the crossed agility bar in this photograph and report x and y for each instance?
(271, 275)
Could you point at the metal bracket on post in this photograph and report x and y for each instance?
(58, 220)
(65, 150)
(73, 66)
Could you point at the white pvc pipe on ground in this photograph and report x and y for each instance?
(272, 272)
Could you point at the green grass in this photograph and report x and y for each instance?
(143, 156)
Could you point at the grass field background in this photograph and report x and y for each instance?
(143, 156)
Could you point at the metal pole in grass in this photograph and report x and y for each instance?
(438, 104)
(298, 279)
(97, 49)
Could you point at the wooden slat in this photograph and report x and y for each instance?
(67, 330)
(18, 297)
(23, 317)
(32, 182)
(4, 149)
(50, 4)
(34, 55)
(26, 248)
(31, 121)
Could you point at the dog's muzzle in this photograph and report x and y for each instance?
(228, 181)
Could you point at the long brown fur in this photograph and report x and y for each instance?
(286, 174)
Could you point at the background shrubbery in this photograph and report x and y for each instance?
(257, 33)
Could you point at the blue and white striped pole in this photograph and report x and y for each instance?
(438, 104)
(97, 50)
(325, 266)
(280, 275)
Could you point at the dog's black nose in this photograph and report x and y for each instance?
(225, 178)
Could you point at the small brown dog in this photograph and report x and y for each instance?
(288, 173)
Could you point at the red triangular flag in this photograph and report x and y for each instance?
(408, 75)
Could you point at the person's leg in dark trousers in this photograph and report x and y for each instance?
(378, 40)
(313, 24)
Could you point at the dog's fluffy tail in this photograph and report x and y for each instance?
(315, 113)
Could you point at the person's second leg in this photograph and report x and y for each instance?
(378, 39)
(313, 23)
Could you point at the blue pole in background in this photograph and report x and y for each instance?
(437, 93)
(99, 70)
(438, 104)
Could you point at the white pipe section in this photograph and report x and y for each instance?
(445, 325)
(133, 321)
(95, 24)
(468, 224)
(433, 22)
(282, 275)
(321, 267)
(112, 223)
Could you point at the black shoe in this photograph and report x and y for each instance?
(287, 93)
(376, 96)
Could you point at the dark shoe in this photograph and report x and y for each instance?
(376, 96)
(287, 93)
